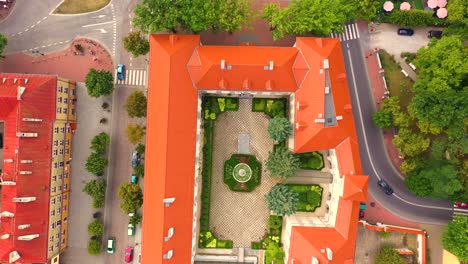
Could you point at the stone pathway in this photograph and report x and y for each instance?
(241, 217)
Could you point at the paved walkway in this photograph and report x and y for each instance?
(67, 63)
(241, 217)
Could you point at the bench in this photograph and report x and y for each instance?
(404, 72)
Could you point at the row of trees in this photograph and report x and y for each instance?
(95, 230)
(99, 82)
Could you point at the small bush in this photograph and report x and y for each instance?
(413, 18)
(313, 198)
(275, 222)
(311, 161)
(100, 143)
(94, 247)
(139, 170)
(135, 219)
(140, 149)
(96, 228)
(408, 56)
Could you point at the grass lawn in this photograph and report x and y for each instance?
(80, 6)
(310, 196)
(397, 83)
(418, 4)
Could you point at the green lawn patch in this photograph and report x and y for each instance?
(208, 240)
(311, 161)
(80, 6)
(242, 183)
(273, 107)
(310, 196)
(397, 83)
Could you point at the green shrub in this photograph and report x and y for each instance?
(96, 228)
(251, 184)
(258, 104)
(311, 161)
(413, 18)
(275, 222)
(94, 247)
(232, 103)
(140, 148)
(313, 198)
(139, 170)
(256, 245)
(384, 235)
(208, 240)
(273, 107)
(408, 56)
(310, 196)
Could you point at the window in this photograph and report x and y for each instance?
(59, 199)
(59, 222)
(61, 142)
(73, 111)
(68, 129)
(63, 240)
(60, 89)
(60, 188)
(59, 99)
(55, 165)
(59, 110)
(57, 244)
(52, 213)
(51, 238)
(68, 142)
(55, 152)
(61, 151)
(60, 176)
(64, 197)
(61, 164)
(64, 209)
(52, 226)
(65, 110)
(65, 186)
(65, 90)
(56, 130)
(62, 129)
(56, 141)
(57, 236)
(65, 175)
(67, 151)
(52, 201)
(65, 100)
(73, 91)
(51, 248)
(59, 210)
(54, 189)
(54, 178)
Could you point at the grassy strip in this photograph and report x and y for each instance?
(80, 6)
(397, 83)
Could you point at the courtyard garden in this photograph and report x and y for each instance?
(242, 173)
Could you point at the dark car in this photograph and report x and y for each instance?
(135, 159)
(434, 34)
(120, 72)
(385, 187)
(405, 31)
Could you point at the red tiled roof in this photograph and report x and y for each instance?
(355, 188)
(37, 101)
(178, 67)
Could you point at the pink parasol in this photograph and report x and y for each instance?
(441, 3)
(432, 3)
(405, 6)
(388, 6)
(442, 12)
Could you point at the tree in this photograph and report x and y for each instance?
(153, 16)
(234, 14)
(3, 44)
(131, 197)
(100, 143)
(135, 133)
(282, 163)
(274, 253)
(94, 247)
(420, 186)
(96, 164)
(136, 104)
(457, 11)
(383, 119)
(367, 9)
(96, 228)
(410, 143)
(140, 149)
(99, 82)
(135, 219)
(443, 178)
(388, 254)
(276, 17)
(139, 170)
(282, 200)
(97, 190)
(136, 44)
(412, 164)
(198, 16)
(455, 237)
(279, 128)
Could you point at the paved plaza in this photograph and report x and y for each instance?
(240, 217)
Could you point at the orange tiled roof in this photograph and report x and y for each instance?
(179, 66)
(355, 188)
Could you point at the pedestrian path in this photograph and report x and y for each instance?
(133, 77)
(350, 32)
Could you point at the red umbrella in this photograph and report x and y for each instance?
(441, 3)
(405, 6)
(432, 3)
(442, 12)
(388, 6)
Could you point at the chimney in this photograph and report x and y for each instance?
(223, 64)
(272, 65)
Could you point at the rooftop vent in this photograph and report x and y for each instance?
(28, 237)
(25, 161)
(20, 92)
(25, 134)
(9, 183)
(168, 201)
(24, 226)
(169, 254)
(26, 81)
(5, 236)
(170, 233)
(13, 256)
(327, 90)
(24, 199)
(320, 120)
(315, 260)
(25, 172)
(4, 79)
(28, 119)
(8, 160)
(272, 65)
(329, 254)
(15, 80)
(223, 64)
(325, 64)
(7, 214)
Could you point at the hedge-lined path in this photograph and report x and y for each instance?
(240, 217)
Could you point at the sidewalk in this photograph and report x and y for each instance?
(66, 63)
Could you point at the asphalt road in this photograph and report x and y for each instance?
(374, 159)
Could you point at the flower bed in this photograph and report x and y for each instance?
(213, 106)
(244, 184)
(273, 107)
(310, 196)
(208, 240)
(311, 161)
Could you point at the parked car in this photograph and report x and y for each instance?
(135, 158)
(131, 230)
(128, 254)
(134, 179)
(405, 31)
(461, 205)
(111, 245)
(385, 187)
(120, 72)
(434, 34)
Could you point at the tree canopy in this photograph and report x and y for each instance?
(99, 82)
(318, 17)
(131, 197)
(282, 200)
(100, 143)
(3, 44)
(136, 104)
(443, 179)
(96, 228)
(136, 44)
(279, 128)
(94, 247)
(382, 119)
(96, 164)
(135, 219)
(135, 133)
(455, 237)
(153, 16)
(410, 143)
(282, 163)
(97, 190)
(388, 254)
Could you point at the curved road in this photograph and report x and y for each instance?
(374, 159)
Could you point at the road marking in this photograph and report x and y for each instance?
(44, 18)
(101, 29)
(98, 24)
(367, 144)
(38, 22)
(133, 77)
(349, 33)
(100, 16)
(357, 30)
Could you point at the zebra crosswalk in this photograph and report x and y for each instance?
(133, 77)
(350, 32)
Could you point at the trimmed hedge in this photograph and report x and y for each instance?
(413, 18)
(311, 161)
(275, 222)
(206, 175)
(310, 196)
(273, 107)
(208, 240)
(253, 163)
(213, 106)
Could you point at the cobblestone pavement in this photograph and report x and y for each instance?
(241, 217)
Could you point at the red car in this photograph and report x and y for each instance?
(128, 254)
(461, 205)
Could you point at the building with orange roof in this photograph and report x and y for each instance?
(312, 76)
(37, 117)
